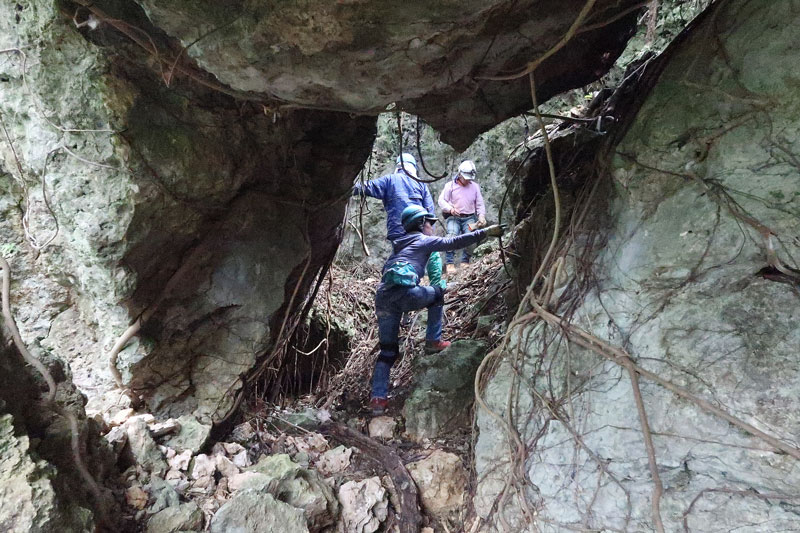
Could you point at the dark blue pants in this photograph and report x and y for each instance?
(390, 304)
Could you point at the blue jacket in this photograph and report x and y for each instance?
(415, 248)
(397, 191)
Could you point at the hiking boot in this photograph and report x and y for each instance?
(435, 346)
(378, 406)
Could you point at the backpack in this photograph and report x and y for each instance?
(400, 274)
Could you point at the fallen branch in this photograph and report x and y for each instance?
(410, 517)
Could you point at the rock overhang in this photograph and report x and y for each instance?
(437, 60)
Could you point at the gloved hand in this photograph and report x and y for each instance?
(481, 221)
(496, 230)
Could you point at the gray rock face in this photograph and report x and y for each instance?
(254, 512)
(40, 487)
(442, 392)
(175, 200)
(678, 286)
(28, 499)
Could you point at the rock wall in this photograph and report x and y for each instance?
(702, 186)
(170, 199)
(40, 487)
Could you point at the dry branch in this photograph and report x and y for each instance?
(410, 517)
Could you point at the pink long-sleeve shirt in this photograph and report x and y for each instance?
(466, 199)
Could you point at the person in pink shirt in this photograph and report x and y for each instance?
(462, 204)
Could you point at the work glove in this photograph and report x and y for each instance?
(496, 230)
(481, 221)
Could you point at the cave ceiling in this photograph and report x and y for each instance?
(434, 59)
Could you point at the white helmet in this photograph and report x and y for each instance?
(408, 163)
(467, 170)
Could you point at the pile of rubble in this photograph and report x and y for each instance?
(271, 475)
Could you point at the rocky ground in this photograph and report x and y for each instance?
(319, 461)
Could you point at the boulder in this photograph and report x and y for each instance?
(442, 482)
(225, 466)
(250, 511)
(365, 505)
(144, 449)
(180, 461)
(192, 435)
(442, 392)
(299, 487)
(203, 466)
(183, 517)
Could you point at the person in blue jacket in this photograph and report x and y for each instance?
(397, 191)
(400, 291)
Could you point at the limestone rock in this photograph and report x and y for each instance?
(382, 427)
(225, 466)
(162, 494)
(301, 488)
(178, 481)
(181, 461)
(334, 461)
(117, 437)
(679, 281)
(121, 416)
(442, 482)
(28, 501)
(243, 433)
(159, 429)
(241, 459)
(256, 512)
(183, 517)
(144, 449)
(365, 506)
(203, 466)
(252, 481)
(192, 436)
(442, 392)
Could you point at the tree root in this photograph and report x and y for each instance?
(620, 357)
